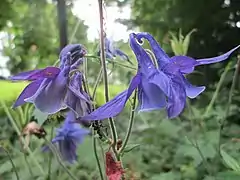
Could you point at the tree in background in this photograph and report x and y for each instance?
(33, 37)
(215, 21)
(6, 12)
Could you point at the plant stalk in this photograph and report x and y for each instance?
(131, 121)
(96, 154)
(234, 82)
(219, 85)
(14, 167)
(55, 151)
(105, 76)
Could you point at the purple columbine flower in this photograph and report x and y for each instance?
(77, 51)
(158, 87)
(185, 64)
(52, 88)
(77, 99)
(111, 51)
(68, 136)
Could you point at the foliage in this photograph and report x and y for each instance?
(29, 43)
(6, 12)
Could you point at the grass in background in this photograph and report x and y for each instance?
(10, 90)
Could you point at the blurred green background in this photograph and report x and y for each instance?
(184, 148)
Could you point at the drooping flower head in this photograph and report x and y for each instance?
(52, 88)
(158, 87)
(68, 136)
(76, 51)
(111, 51)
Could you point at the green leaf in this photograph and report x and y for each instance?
(229, 161)
(175, 44)
(86, 148)
(228, 175)
(130, 147)
(188, 150)
(166, 176)
(186, 42)
(168, 128)
(40, 116)
(209, 178)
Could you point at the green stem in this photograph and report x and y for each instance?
(19, 134)
(56, 62)
(219, 85)
(85, 76)
(195, 143)
(50, 157)
(94, 96)
(14, 167)
(28, 165)
(205, 163)
(103, 154)
(105, 77)
(22, 117)
(96, 84)
(112, 62)
(96, 154)
(75, 31)
(131, 121)
(123, 65)
(234, 82)
(55, 151)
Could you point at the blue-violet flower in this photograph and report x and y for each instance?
(53, 89)
(68, 136)
(158, 87)
(111, 51)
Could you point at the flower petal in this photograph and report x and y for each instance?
(79, 135)
(160, 55)
(218, 58)
(109, 45)
(56, 139)
(76, 64)
(109, 55)
(24, 75)
(78, 106)
(75, 86)
(70, 48)
(75, 51)
(76, 99)
(50, 98)
(176, 101)
(150, 97)
(145, 64)
(192, 91)
(68, 150)
(114, 106)
(175, 91)
(28, 91)
(186, 64)
(49, 72)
